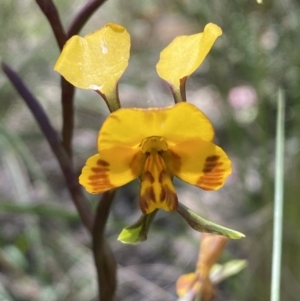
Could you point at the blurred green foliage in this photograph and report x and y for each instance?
(45, 253)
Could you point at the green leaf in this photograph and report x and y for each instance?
(137, 232)
(200, 224)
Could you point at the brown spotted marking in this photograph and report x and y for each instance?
(157, 191)
(96, 177)
(137, 163)
(212, 158)
(99, 181)
(166, 194)
(170, 197)
(213, 175)
(211, 163)
(219, 170)
(210, 167)
(148, 196)
(99, 169)
(147, 176)
(210, 183)
(99, 178)
(163, 176)
(103, 163)
(149, 193)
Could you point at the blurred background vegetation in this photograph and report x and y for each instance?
(44, 250)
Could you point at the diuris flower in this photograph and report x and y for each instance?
(153, 144)
(156, 144)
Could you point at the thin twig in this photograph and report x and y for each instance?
(83, 16)
(51, 13)
(66, 167)
(67, 90)
(103, 256)
(67, 102)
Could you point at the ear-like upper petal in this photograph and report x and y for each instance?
(185, 54)
(96, 61)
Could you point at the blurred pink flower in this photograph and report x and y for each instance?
(242, 97)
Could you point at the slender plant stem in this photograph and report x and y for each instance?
(67, 93)
(179, 93)
(176, 95)
(51, 13)
(112, 101)
(103, 256)
(278, 201)
(83, 16)
(67, 102)
(66, 167)
(67, 90)
(182, 88)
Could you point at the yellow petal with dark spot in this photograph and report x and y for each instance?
(157, 190)
(111, 168)
(200, 163)
(129, 127)
(185, 54)
(96, 61)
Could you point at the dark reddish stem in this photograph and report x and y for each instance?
(103, 256)
(67, 93)
(83, 16)
(51, 13)
(64, 162)
(67, 90)
(67, 101)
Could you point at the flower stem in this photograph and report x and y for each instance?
(67, 102)
(112, 100)
(83, 16)
(103, 256)
(51, 13)
(178, 92)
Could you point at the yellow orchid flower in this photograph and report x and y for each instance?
(155, 145)
(152, 144)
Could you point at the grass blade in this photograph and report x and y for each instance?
(278, 200)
